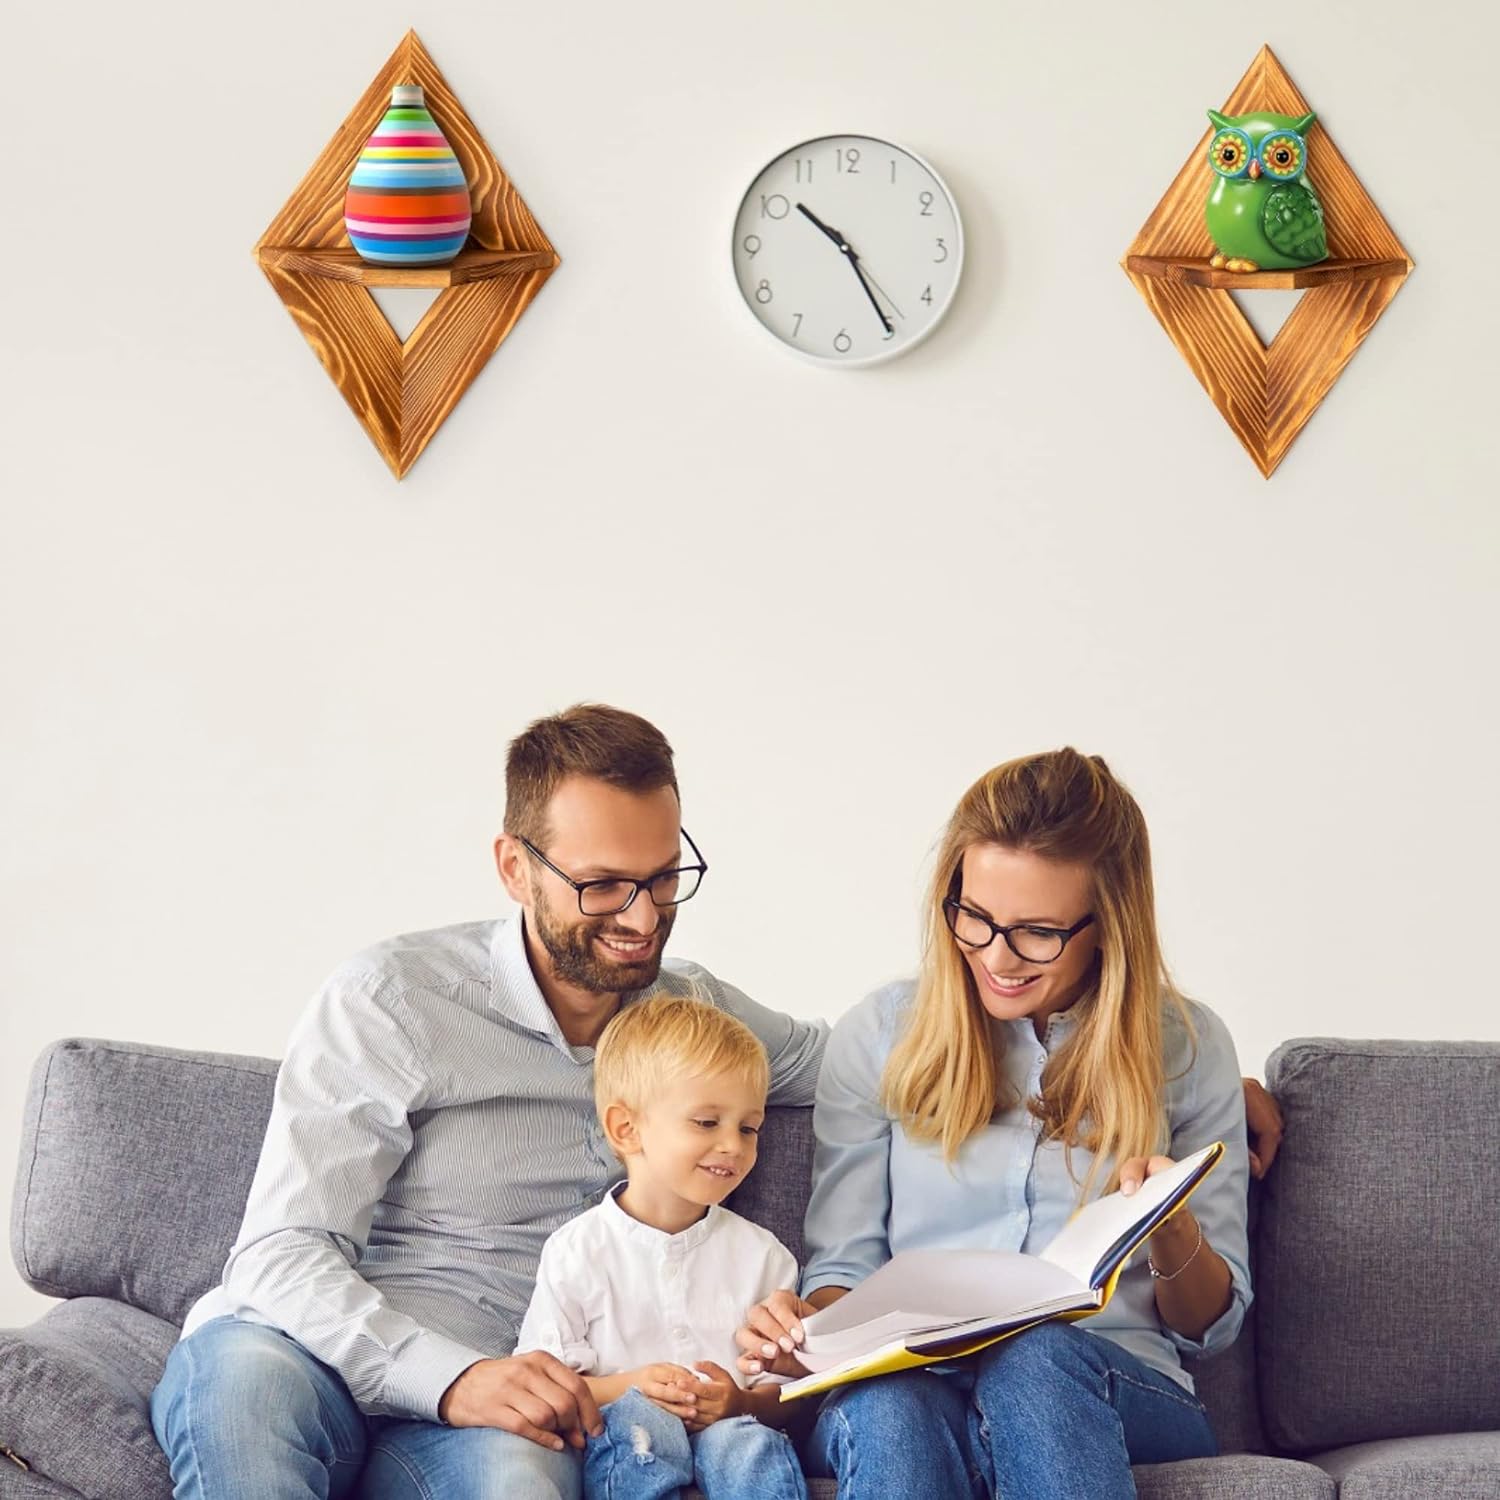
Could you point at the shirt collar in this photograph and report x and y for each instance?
(658, 1239)
(514, 991)
(1022, 1031)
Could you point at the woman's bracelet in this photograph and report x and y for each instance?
(1162, 1275)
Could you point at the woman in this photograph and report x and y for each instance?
(1042, 1056)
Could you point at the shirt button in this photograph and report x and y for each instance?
(682, 1335)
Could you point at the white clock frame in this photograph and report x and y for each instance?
(741, 260)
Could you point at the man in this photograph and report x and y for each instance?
(433, 1122)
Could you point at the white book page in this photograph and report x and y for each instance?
(820, 1350)
(818, 1366)
(898, 1330)
(922, 1291)
(876, 1330)
(978, 1327)
(847, 1351)
(1089, 1235)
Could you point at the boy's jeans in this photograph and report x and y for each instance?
(246, 1413)
(647, 1454)
(1052, 1414)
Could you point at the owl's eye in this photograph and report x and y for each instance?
(1282, 154)
(1229, 153)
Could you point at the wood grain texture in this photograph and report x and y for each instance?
(450, 346)
(1198, 272)
(471, 264)
(1267, 395)
(355, 344)
(1222, 349)
(402, 393)
(1309, 353)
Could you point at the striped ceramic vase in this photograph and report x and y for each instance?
(408, 203)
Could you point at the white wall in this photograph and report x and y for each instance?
(256, 694)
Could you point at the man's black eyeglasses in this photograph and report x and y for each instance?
(1037, 945)
(614, 893)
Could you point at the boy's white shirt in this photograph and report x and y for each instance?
(613, 1294)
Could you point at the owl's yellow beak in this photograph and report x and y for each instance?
(1254, 169)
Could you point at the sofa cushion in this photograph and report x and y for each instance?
(75, 1391)
(17, 1484)
(1457, 1466)
(775, 1194)
(134, 1168)
(1241, 1476)
(1375, 1243)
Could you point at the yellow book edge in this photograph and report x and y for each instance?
(891, 1358)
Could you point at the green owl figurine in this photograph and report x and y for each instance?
(1262, 213)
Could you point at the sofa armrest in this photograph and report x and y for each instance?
(75, 1392)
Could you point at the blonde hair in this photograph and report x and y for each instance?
(665, 1037)
(1103, 1088)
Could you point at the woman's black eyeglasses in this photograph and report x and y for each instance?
(1037, 945)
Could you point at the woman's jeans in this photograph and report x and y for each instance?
(647, 1454)
(246, 1413)
(1052, 1414)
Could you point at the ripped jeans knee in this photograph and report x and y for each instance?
(642, 1454)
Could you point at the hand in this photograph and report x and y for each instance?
(1175, 1237)
(672, 1387)
(1265, 1125)
(1135, 1171)
(718, 1397)
(772, 1329)
(533, 1395)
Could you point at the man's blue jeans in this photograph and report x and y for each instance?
(245, 1413)
(1052, 1414)
(647, 1454)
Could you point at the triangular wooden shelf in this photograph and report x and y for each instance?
(1267, 394)
(402, 393)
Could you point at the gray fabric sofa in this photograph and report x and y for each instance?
(1369, 1368)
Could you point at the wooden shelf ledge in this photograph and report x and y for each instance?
(470, 264)
(1196, 271)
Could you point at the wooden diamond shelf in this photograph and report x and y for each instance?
(403, 392)
(1267, 393)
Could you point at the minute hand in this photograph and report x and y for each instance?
(847, 251)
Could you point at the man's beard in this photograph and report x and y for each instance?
(576, 961)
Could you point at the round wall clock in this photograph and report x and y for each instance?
(848, 249)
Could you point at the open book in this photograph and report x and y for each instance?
(923, 1306)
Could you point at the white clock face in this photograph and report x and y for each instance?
(848, 249)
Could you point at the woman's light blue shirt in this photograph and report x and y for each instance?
(876, 1191)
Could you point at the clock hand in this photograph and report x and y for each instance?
(883, 293)
(885, 322)
(847, 251)
(832, 234)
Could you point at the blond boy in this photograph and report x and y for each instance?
(642, 1294)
